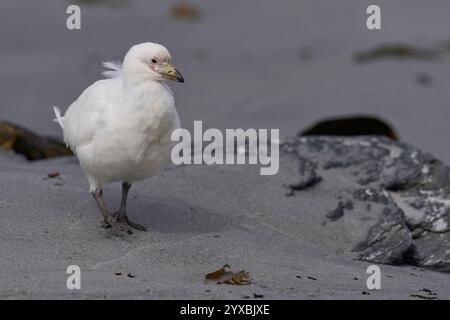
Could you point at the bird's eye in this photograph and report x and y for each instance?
(153, 60)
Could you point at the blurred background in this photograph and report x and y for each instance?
(261, 64)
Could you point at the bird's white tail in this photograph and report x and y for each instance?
(58, 119)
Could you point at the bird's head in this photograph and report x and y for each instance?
(150, 61)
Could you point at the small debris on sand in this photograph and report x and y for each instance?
(225, 276)
(218, 273)
(423, 297)
(425, 294)
(53, 174)
(238, 279)
(400, 51)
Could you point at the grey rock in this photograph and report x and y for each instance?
(340, 210)
(410, 187)
(388, 240)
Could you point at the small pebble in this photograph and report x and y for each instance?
(53, 174)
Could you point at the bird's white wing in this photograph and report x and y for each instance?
(88, 113)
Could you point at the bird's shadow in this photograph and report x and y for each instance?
(174, 216)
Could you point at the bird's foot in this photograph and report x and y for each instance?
(111, 222)
(108, 221)
(121, 220)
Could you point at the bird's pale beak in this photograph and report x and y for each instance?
(169, 72)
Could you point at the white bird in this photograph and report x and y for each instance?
(120, 128)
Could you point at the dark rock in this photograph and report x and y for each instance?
(31, 145)
(351, 126)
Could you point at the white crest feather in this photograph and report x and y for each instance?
(115, 69)
(58, 118)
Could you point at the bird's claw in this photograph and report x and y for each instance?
(123, 220)
(108, 221)
(117, 226)
(122, 223)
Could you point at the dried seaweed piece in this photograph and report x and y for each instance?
(238, 279)
(31, 145)
(218, 273)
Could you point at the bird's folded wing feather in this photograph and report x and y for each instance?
(86, 115)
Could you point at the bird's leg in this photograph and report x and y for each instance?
(122, 212)
(121, 215)
(108, 218)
